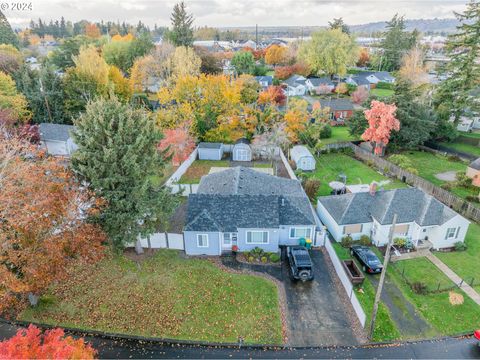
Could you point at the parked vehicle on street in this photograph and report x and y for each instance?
(369, 261)
(300, 263)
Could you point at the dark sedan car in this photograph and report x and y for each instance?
(370, 262)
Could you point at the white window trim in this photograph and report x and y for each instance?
(257, 243)
(198, 243)
(229, 237)
(448, 232)
(298, 227)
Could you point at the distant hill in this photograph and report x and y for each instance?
(437, 26)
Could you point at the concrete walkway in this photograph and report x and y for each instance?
(475, 296)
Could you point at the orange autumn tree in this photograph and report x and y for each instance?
(275, 54)
(273, 95)
(296, 118)
(52, 344)
(92, 31)
(381, 122)
(46, 227)
(179, 143)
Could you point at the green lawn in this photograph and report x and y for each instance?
(199, 168)
(475, 135)
(330, 165)
(466, 148)
(429, 164)
(165, 296)
(339, 134)
(385, 328)
(445, 318)
(382, 92)
(465, 263)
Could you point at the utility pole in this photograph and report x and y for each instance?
(382, 277)
(256, 36)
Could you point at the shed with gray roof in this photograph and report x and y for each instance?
(242, 151)
(56, 138)
(303, 158)
(210, 151)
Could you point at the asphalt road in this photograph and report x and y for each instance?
(451, 348)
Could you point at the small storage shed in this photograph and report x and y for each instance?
(241, 150)
(210, 151)
(473, 172)
(56, 139)
(303, 158)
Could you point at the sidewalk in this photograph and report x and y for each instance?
(454, 277)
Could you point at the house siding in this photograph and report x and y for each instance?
(284, 234)
(437, 235)
(191, 248)
(210, 154)
(273, 240)
(56, 147)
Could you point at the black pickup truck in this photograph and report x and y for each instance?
(300, 264)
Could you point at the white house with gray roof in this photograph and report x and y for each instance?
(420, 217)
(243, 207)
(56, 139)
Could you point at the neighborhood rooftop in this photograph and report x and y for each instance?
(209, 145)
(336, 104)
(55, 132)
(409, 204)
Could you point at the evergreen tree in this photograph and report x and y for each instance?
(396, 43)
(243, 62)
(339, 24)
(182, 31)
(7, 36)
(117, 155)
(455, 95)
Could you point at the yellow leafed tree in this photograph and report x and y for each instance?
(89, 63)
(413, 68)
(121, 85)
(185, 62)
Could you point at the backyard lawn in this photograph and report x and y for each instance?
(462, 147)
(382, 93)
(429, 165)
(465, 263)
(163, 175)
(339, 134)
(199, 168)
(164, 296)
(330, 165)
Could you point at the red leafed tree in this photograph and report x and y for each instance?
(381, 122)
(360, 95)
(53, 344)
(44, 224)
(179, 144)
(272, 95)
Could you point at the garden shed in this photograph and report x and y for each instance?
(303, 158)
(210, 151)
(241, 150)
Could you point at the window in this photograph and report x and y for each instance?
(202, 240)
(353, 229)
(227, 238)
(257, 237)
(402, 229)
(300, 232)
(451, 233)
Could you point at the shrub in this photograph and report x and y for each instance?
(460, 246)
(326, 132)
(400, 242)
(472, 198)
(447, 186)
(311, 188)
(246, 254)
(365, 240)
(419, 287)
(385, 85)
(463, 180)
(257, 251)
(274, 257)
(263, 259)
(251, 259)
(455, 158)
(292, 164)
(346, 241)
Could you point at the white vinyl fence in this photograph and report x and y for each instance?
(172, 182)
(164, 241)
(337, 264)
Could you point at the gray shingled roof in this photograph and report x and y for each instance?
(410, 204)
(475, 164)
(321, 81)
(55, 132)
(295, 80)
(337, 104)
(208, 145)
(244, 198)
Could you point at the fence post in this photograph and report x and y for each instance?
(166, 240)
(461, 283)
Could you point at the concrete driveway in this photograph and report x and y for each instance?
(316, 316)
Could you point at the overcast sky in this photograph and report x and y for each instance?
(222, 13)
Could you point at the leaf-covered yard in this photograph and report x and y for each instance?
(165, 296)
(200, 168)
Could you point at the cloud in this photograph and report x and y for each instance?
(231, 13)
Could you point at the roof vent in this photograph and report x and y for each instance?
(283, 202)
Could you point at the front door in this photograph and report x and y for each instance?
(242, 155)
(227, 241)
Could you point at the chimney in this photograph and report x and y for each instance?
(373, 188)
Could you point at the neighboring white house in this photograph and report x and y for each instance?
(303, 158)
(210, 151)
(314, 84)
(264, 81)
(242, 151)
(420, 217)
(56, 139)
(295, 85)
